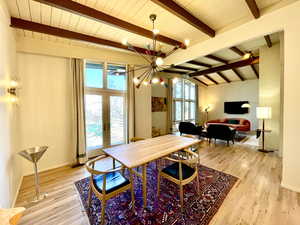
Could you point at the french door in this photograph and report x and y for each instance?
(105, 106)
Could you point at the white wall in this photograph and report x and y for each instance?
(45, 109)
(286, 19)
(270, 70)
(143, 115)
(10, 166)
(216, 95)
(159, 119)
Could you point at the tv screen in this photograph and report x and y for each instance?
(235, 107)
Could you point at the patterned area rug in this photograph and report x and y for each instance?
(165, 209)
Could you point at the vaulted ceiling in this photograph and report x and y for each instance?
(209, 70)
(176, 20)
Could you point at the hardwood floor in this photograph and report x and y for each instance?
(257, 198)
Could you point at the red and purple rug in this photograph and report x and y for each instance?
(164, 209)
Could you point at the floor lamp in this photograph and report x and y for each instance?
(264, 113)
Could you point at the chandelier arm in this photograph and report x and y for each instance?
(146, 76)
(139, 53)
(140, 68)
(140, 76)
(172, 51)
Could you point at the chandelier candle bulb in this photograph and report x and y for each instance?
(155, 31)
(124, 42)
(187, 42)
(135, 80)
(155, 80)
(159, 61)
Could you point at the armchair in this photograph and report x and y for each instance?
(107, 184)
(222, 132)
(189, 128)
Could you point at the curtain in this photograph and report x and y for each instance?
(170, 106)
(77, 71)
(130, 103)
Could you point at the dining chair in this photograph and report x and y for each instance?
(195, 147)
(106, 184)
(183, 171)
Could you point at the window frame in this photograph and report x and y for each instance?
(184, 83)
(105, 92)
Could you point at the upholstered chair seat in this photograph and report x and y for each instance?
(173, 171)
(114, 181)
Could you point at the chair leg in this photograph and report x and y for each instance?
(181, 197)
(103, 204)
(158, 183)
(132, 190)
(227, 143)
(198, 184)
(90, 196)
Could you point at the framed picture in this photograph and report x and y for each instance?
(159, 104)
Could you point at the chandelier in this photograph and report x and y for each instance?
(155, 59)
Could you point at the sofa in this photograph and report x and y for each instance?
(189, 128)
(238, 124)
(220, 131)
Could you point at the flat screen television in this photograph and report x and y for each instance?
(235, 107)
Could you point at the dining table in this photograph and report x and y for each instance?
(141, 153)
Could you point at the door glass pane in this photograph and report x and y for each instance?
(186, 90)
(193, 93)
(193, 113)
(186, 110)
(117, 123)
(178, 89)
(178, 110)
(116, 77)
(93, 117)
(94, 75)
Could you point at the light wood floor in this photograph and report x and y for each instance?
(257, 198)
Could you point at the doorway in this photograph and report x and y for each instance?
(105, 104)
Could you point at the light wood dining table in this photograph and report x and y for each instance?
(143, 152)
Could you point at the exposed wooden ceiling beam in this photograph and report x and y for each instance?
(183, 14)
(209, 78)
(174, 71)
(253, 8)
(237, 51)
(45, 29)
(229, 66)
(197, 63)
(255, 71)
(200, 81)
(224, 77)
(216, 58)
(82, 10)
(184, 68)
(268, 40)
(238, 74)
(226, 62)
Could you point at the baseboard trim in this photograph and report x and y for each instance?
(290, 187)
(50, 168)
(17, 192)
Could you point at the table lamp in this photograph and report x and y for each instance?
(263, 113)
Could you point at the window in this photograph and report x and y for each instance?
(184, 102)
(105, 98)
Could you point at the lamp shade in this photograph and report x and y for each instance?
(246, 105)
(264, 112)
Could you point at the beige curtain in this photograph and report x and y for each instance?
(77, 71)
(130, 103)
(170, 106)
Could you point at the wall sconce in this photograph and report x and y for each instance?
(12, 91)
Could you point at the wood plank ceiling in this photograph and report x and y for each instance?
(214, 13)
(227, 65)
(109, 22)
